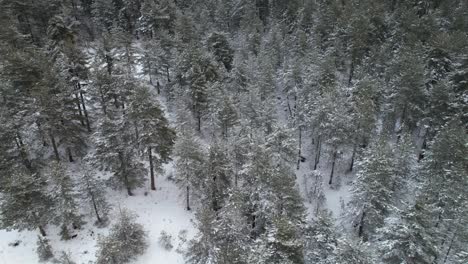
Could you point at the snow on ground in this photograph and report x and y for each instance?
(157, 211)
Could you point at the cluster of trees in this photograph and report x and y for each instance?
(258, 89)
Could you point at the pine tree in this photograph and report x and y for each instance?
(189, 164)
(65, 258)
(66, 200)
(25, 202)
(223, 236)
(409, 239)
(116, 151)
(94, 195)
(44, 250)
(372, 190)
(321, 240)
(152, 130)
(219, 46)
(126, 241)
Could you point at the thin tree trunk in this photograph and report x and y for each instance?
(423, 148)
(70, 156)
(289, 106)
(198, 122)
(22, 150)
(361, 225)
(351, 166)
(450, 248)
(318, 149)
(80, 113)
(150, 156)
(88, 125)
(188, 197)
(42, 231)
(54, 146)
(351, 71)
(137, 137)
(96, 209)
(103, 101)
(158, 87)
(299, 148)
(41, 133)
(333, 167)
(124, 173)
(167, 74)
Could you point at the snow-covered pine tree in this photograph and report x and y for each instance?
(66, 200)
(409, 238)
(116, 152)
(152, 130)
(44, 250)
(372, 193)
(94, 195)
(126, 241)
(223, 235)
(189, 164)
(321, 240)
(25, 202)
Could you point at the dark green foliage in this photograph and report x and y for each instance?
(44, 251)
(219, 45)
(125, 242)
(25, 202)
(66, 200)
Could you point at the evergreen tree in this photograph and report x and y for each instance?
(44, 250)
(321, 240)
(189, 164)
(25, 202)
(125, 242)
(152, 129)
(66, 200)
(94, 195)
(116, 151)
(372, 190)
(409, 239)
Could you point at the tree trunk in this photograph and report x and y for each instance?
(351, 71)
(80, 113)
(333, 167)
(198, 122)
(150, 156)
(54, 146)
(22, 150)
(449, 248)
(42, 231)
(96, 209)
(103, 101)
(88, 125)
(299, 148)
(361, 225)
(423, 148)
(351, 166)
(167, 74)
(188, 197)
(137, 137)
(318, 149)
(124, 173)
(158, 87)
(41, 133)
(289, 106)
(70, 156)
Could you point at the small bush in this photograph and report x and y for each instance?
(165, 240)
(126, 241)
(65, 259)
(44, 250)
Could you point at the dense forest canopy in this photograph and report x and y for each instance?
(262, 108)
